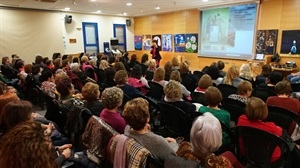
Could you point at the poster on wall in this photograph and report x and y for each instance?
(191, 43)
(266, 41)
(147, 42)
(179, 42)
(138, 44)
(167, 42)
(158, 39)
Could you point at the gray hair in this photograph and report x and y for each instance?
(206, 135)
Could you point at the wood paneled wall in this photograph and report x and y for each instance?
(273, 14)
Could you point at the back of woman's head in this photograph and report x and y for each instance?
(175, 75)
(233, 73)
(266, 70)
(64, 86)
(173, 91)
(159, 74)
(109, 73)
(136, 71)
(206, 135)
(14, 113)
(112, 97)
(145, 58)
(205, 82)
(168, 67)
(213, 96)
(136, 113)
(26, 145)
(184, 68)
(256, 109)
(119, 66)
(213, 71)
(5, 99)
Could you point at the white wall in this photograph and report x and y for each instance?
(31, 32)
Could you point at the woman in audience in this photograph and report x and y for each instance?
(271, 81)
(213, 97)
(173, 96)
(244, 90)
(5, 99)
(245, 72)
(121, 80)
(109, 74)
(136, 115)
(175, 64)
(150, 70)
(206, 138)
(204, 82)
(112, 99)
(136, 79)
(26, 145)
(214, 72)
(133, 61)
(168, 70)
(221, 66)
(175, 75)
(144, 63)
(255, 112)
(159, 76)
(232, 76)
(7, 68)
(48, 86)
(49, 66)
(57, 64)
(119, 66)
(185, 72)
(265, 73)
(103, 65)
(91, 93)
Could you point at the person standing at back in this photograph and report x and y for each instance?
(155, 52)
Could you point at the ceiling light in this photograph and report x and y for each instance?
(204, 0)
(129, 4)
(67, 8)
(99, 11)
(157, 8)
(124, 13)
(93, 0)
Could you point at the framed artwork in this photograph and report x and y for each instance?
(138, 44)
(158, 39)
(191, 43)
(179, 42)
(147, 42)
(167, 42)
(266, 41)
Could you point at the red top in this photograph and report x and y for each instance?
(265, 126)
(114, 120)
(285, 102)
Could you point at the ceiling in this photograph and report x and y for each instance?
(117, 7)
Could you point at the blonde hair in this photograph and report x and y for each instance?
(103, 64)
(173, 91)
(206, 135)
(175, 61)
(205, 81)
(184, 67)
(84, 59)
(152, 64)
(90, 91)
(232, 73)
(243, 87)
(245, 72)
(256, 109)
(159, 74)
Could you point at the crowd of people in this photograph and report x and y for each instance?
(111, 87)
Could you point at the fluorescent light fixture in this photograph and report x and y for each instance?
(124, 13)
(99, 11)
(204, 0)
(129, 4)
(93, 0)
(67, 8)
(157, 8)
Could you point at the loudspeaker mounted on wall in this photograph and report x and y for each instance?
(128, 22)
(68, 19)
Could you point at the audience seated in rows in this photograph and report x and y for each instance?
(221, 66)
(264, 75)
(121, 80)
(48, 86)
(204, 82)
(271, 81)
(175, 75)
(91, 94)
(214, 73)
(232, 76)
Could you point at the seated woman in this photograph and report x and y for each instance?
(214, 72)
(245, 72)
(26, 145)
(112, 99)
(173, 96)
(204, 82)
(244, 90)
(121, 80)
(206, 138)
(214, 97)
(136, 79)
(265, 73)
(5, 99)
(232, 76)
(168, 70)
(136, 115)
(255, 112)
(159, 76)
(91, 93)
(175, 75)
(48, 86)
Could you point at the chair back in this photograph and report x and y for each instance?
(283, 118)
(259, 146)
(198, 74)
(156, 90)
(234, 107)
(152, 162)
(126, 98)
(295, 87)
(230, 146)
(189, 84)
(226, 89)
(176, 121)
(262, 93)
(199, 97)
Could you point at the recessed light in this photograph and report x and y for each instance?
(129, 4)
(99, 11)
(124, 13)
(157, 8)
(204, 0)
(67, 8)
(93, 0)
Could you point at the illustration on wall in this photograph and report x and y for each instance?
(191, 44)
(147, 42)
(266, 41)
(167, 42)
(138, 44)
(158, 39)
(179, 42)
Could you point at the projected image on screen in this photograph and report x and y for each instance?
(228, 32)
(290, 42)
